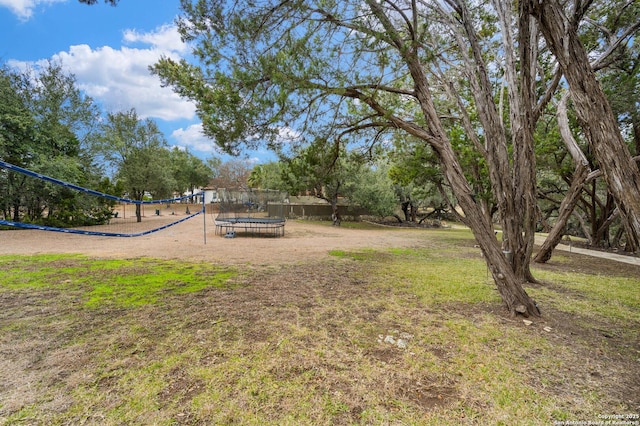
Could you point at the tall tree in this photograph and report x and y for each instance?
(267, 176)
(324, 170)
(136, 149)
(374, 190)
(17, 121)
(17, 140)
(415, 172)
(606, 32)
(350, 71)
(189, 171)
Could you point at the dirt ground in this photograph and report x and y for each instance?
(195, 240)
(302, 241)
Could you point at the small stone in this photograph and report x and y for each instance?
(547, 329)
(521, 309)
(402, 344)
(390, 339)
(527, 322)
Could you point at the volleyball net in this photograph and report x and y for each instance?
(31, 200)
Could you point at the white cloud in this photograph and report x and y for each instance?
(287, 134)
(119, 78)
(165, 38)
(193, 139)
(23, 9)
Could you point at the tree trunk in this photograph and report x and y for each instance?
(564, 212)
(593, 110)
(138, 213)
(583, 225)
(335, 215)
(405, 210)
(572, 196)
(15, 191)
(608, 214)
(509, 284)
(631, 241)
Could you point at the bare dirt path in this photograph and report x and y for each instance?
(302, 241)
(632, 260)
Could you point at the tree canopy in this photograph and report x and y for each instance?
(45, 125)
(136, 149)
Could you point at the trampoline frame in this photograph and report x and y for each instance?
(254, 226)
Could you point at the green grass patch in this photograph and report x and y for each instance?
(362, 255)
(443, 280)
(605, 297)
(99, 282)
(433, 275)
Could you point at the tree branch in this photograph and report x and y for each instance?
(548, 95)
(599, 63)
(563, 124)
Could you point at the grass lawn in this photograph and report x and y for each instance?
(398, 336)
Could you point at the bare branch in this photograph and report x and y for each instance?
(548, 95)
(563, 124)
(405, 18)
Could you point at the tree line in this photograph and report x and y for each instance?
(48, 126)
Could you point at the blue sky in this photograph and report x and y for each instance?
(109, 49)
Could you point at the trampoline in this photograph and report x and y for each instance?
(249, 213)
(253, 226)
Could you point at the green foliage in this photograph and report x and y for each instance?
(415, 171)
(267, 176)
(247, 90)
(189, 171)
(136, 149)
(46, 125)
(324, 169)
(17, 122)
(373, 190)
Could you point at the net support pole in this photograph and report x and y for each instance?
(204, 219)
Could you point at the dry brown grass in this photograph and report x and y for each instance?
(304, 344)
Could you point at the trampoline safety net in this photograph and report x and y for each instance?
(247, 213)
